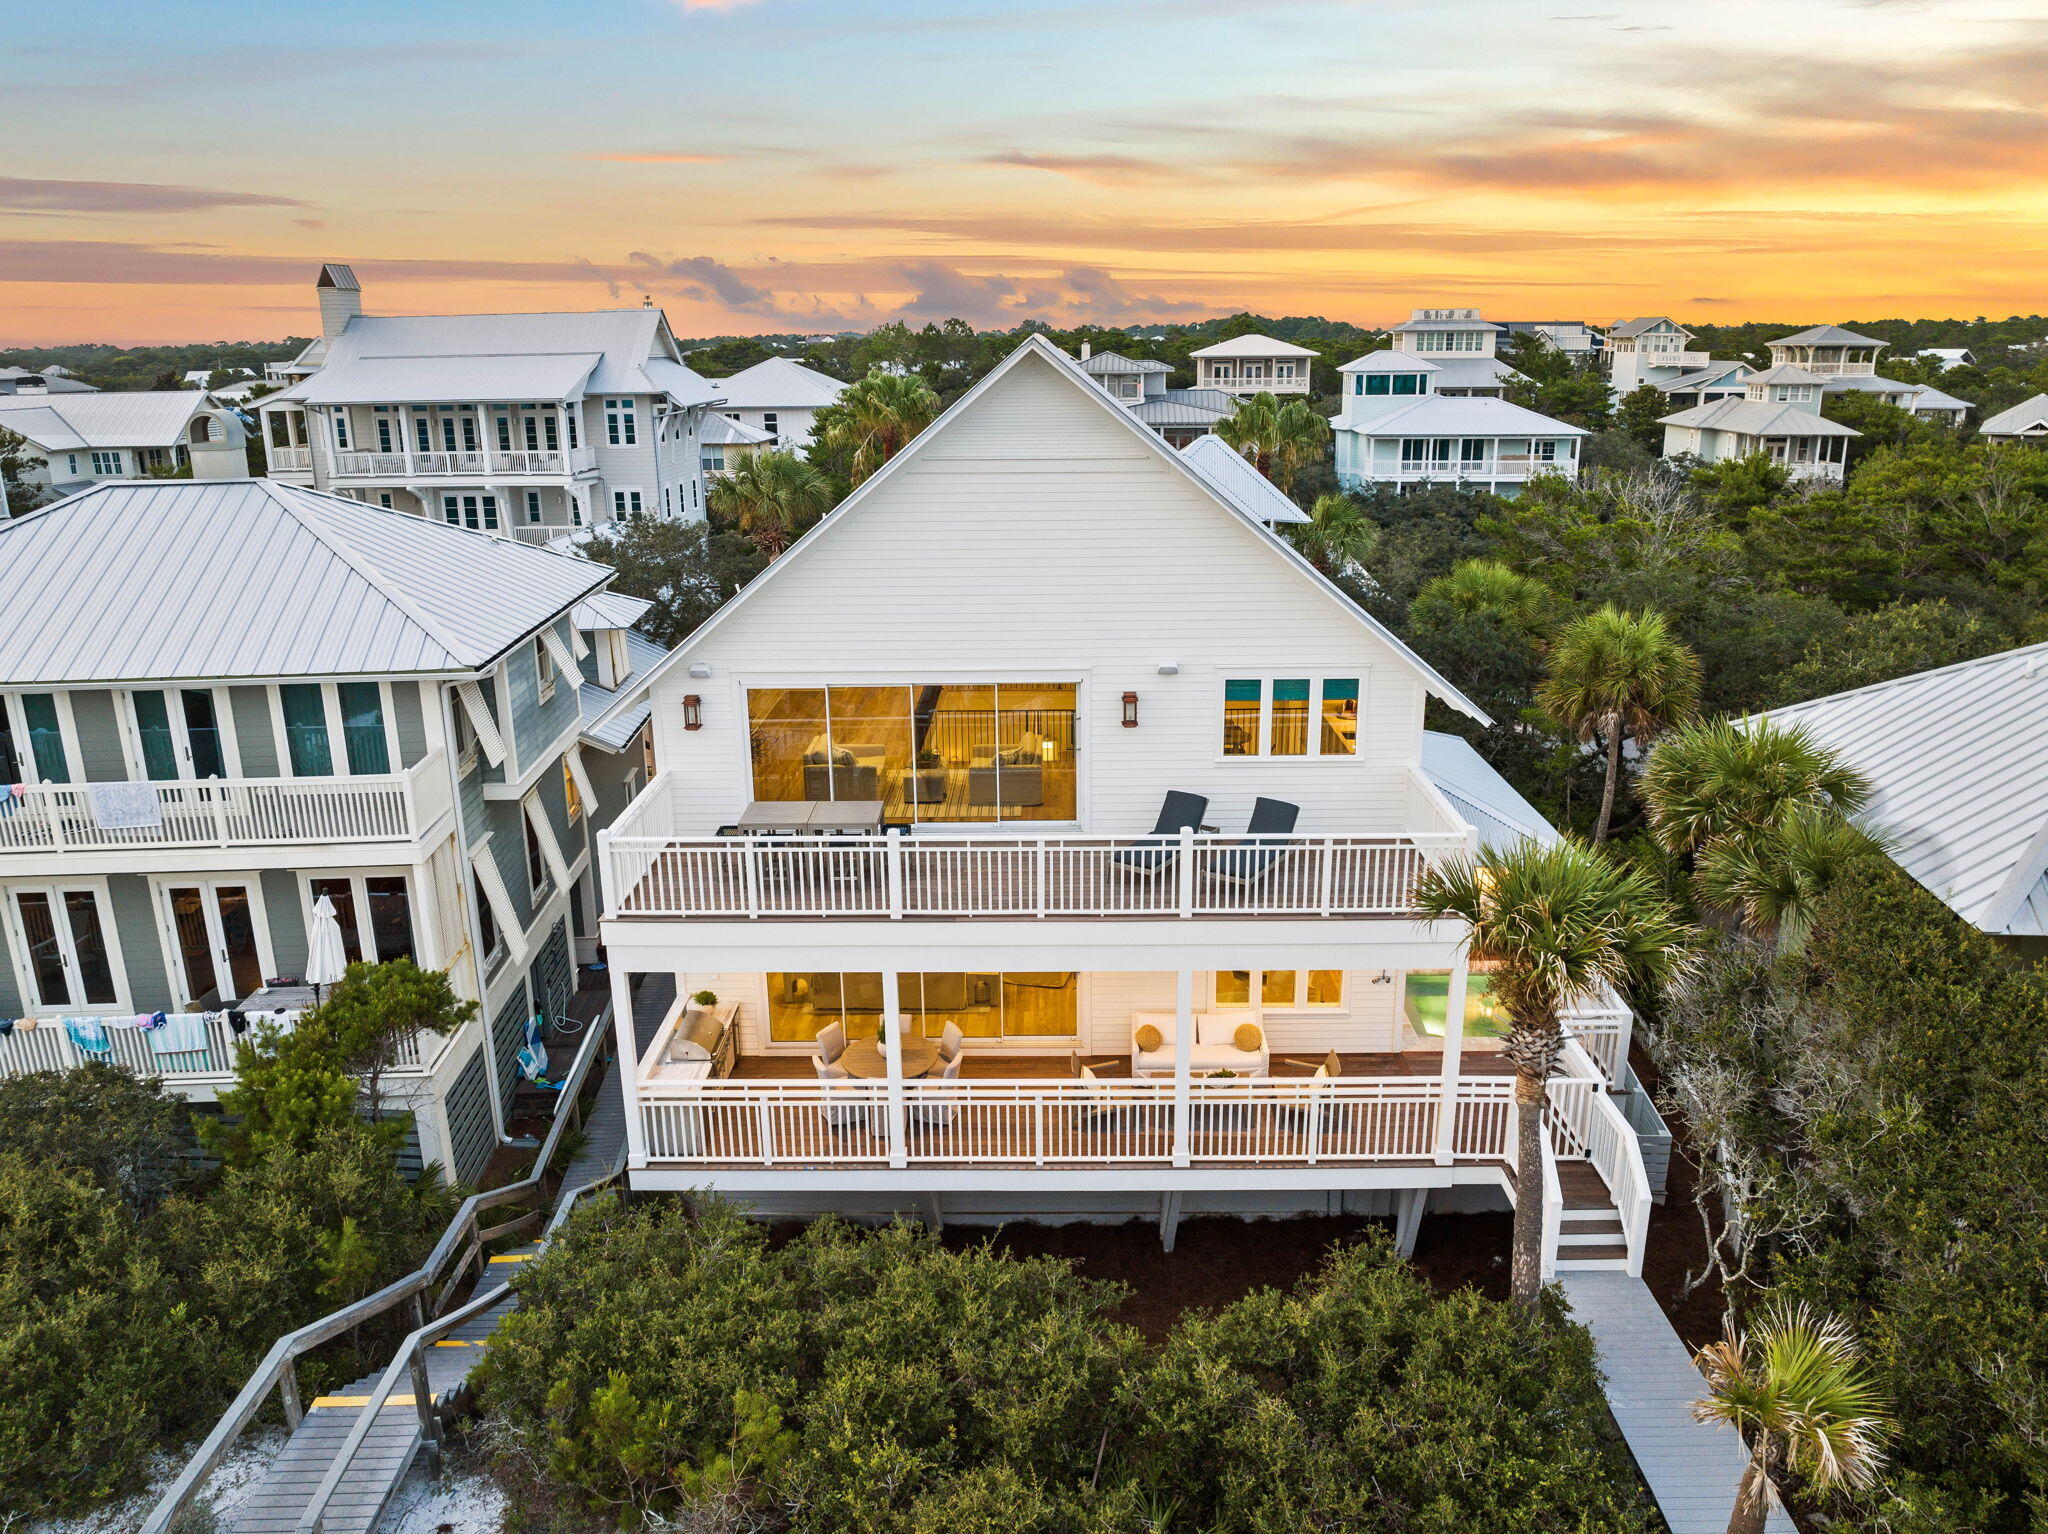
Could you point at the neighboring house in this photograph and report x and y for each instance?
(527, 426)
(1460, 346)
(1778, 415)
(723, 442)
(1180, 416)
(1950, 356)
(1702, 386)
(1395, 428)
(341, 701)
(1065, 626)
(2025, 422)
(1846, 361)
(1575, 338)
(50, 380)
(779, 397)
(1653, 350)
(1254, 365)
(77, 439)
(1958, 759)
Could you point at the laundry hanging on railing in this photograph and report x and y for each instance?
(180, 1033)
(88, 1035)
(125, 806)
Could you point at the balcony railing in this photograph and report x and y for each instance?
(49, 1048)
(291, 459)
(231, 812)
(468, 465)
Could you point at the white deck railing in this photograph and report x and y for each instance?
(470, 463)
(235, 812)
(49, 1048)
(1298, 1121)
(291, 459)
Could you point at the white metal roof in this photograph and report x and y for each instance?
(1418, 323)
(1178, 407)
(253, 578)
(427, 380)
(1472, 372)
(1448, 416)
(1235, 476)
(1389, 361)
(1699, 378)
(1759, 418)
(1959, 759)
(117, 418)
(56, 380)
(1917, 396)
(1102, 364)
(1826, 335)
(723, 431)
(1628, 330)
(2029, 415)
(1254, 346)
(594, 702)
(1786, 373)
(609, 610)
(777, 382)
(1488, 801)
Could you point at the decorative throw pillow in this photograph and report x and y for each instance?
(1333, 1063)
(845, 758)
(1147, 1038)
(1248, 1038)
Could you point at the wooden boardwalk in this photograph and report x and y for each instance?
(1692, 1467)
(394, 1443)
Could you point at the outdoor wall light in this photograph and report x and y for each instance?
(1130, 711)
(700, 668)
(1383, 978)
(1169, 668)
(693, 712)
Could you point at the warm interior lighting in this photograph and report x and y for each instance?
(1130, 711)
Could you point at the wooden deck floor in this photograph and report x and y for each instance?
(1037, 1067)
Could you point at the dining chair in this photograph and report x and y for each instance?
(941, 1107)
(950, 1042)
(831, 1042)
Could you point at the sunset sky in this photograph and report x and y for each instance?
(175, 171)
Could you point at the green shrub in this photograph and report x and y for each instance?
(121, 1130)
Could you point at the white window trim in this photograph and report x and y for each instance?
(563, 652)
(160, 886)
(17, 943)
(1257, 1006)
(356, 877)
(337, 745)
(1315, 715)
(131, 730)
(67, 733)
(550, 846)
(547, 670)
(511, 930)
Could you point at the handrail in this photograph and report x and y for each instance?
(277, 1370)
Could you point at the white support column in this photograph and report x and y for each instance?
(407, 442)
(892, 1054)
(1408, 1207)
(1169, 1220)
(1454, 1047)
(627, 1066)
(1183, 1058)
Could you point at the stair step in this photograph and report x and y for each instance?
(1595, 1253)
(1609, 1225)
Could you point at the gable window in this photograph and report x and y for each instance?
(620, 428)
(1280, 990)
(1273, 716)
(107, 463)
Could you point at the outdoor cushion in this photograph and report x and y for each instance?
(1147, 1038)
(1248, 1038)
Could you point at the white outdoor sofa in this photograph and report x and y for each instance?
(1214, 1049)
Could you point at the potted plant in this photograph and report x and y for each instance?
(706, 999)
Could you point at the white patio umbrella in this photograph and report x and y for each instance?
(326, 960)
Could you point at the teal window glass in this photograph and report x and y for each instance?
(1379, 383)
(1241, 717)
(1290, 716)
(305, 730)
(45, 737)
(1408, 383)
(202, 735)
(362, 727)
(153, 725)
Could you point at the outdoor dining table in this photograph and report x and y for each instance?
(813, 817)
(864, 1058)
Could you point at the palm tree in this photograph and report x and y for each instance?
(1724, 777)
(1476, 586)
(1613, 674)
(873, 419)
(771, 497)
(1556, 924)
(1793, 1386)
(1774, 877)
(1279, 438)
(1338, 536)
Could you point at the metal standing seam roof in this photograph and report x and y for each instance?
(616, 733)
(1387, 360)
(164, 580)
(1235, 476)
(1099, 364)
(1628, 330)
(723, 431)
(1472, 373)
(1446, 415)
(777, 382)
(1825, 335)
(1422, 324)
(1254, 346)
(1759, 418)
(609, 610)
(1488, 801)
(1921, 396)
(1959, 761)
(1726, 372)
(2029, 415)
(1173, 412)
(121, 418)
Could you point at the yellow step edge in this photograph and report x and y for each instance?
(458, 1343)
(359, 1401)
(513, 1257)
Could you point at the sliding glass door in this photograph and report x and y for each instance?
(1030, 1005)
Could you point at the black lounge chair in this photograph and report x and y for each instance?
(1180, 812)
(1265, 843)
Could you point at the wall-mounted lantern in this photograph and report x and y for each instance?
(1130, 711)
(693, 712)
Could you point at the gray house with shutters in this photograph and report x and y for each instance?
(231, 699)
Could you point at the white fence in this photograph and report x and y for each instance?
(233, 812)
(48, 1047)
(469, 463)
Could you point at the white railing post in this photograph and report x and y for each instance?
(628, 1051)
(750, 862)
(1186, 867)
(1454, 1049)
(1183, 1060)
(1329, 874)
(892, 1052)
(892, 854)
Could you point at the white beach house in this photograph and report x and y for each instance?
(76, 439)
(1396, 429)
(778, 397)
(1254, 365)
(338, 702)
(1181, 416)
(1461, 348)
(1073, 880)
(2025, 422)
(1778, 416)
(527, 426)
(1847, 362)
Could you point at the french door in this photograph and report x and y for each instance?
(479, 512)
(67, 952)
(180, 734)
(215, 931)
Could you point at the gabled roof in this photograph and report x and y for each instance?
(1446, 415)
(723, 431)
(1472, 372)
(1232, 473)
(616, 732)
(1786, 373)
(1488, 801)
(1826, 335)
(56, 380)
(1422, 324)
(2029, 415)
(1700, 378)
(1629, 329)
(1036, 349)
(166, 580)
(1390, 361)
(1959, 760)
(1177, 412)
(1254, 346)
(479, 355)
(777, 381)
(608, 610)
(120, 418)
(1100, 364)
(1916, 396)
(1759, 418)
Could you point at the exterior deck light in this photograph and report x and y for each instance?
(1169, 668)
(1130, 711)
(700, 668)
(693, 712)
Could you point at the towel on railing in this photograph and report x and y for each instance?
(182, 1033)
(125, 806)
(89, 1034)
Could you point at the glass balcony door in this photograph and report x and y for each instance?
(219, 946)
(63, 938)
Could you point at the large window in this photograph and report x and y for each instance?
(31, 733)
(64, 945)
(1290, 716)
(362, 727)
(1280, 990)
(374, 912)
(619, 426)
(1389, 383)
(305, 730)
(1030, 1005)
(1450, 340)
(930, 752)
(1425, 1004)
